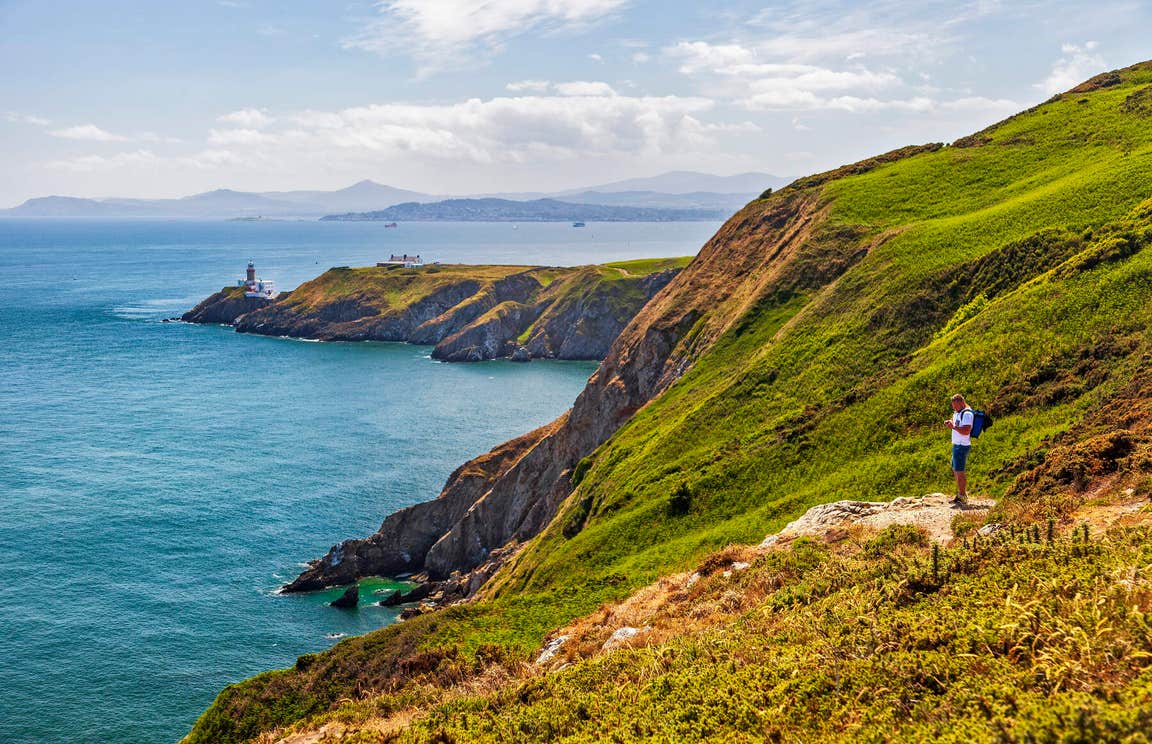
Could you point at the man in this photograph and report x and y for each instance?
(961, 425)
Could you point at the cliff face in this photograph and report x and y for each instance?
(758, 252)
(225, 306)
(470, 313)
(403, 540)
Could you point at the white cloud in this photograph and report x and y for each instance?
(582, 121)
(88, 133)
(595, 58)
(90, 163)
(584, 88)
(154, 137)
(573, 88)
(204, 160)
(579, 123)
(757, 78)
(535, 86)
(641, 57)
(238, 137)
(17, 118)
(441, 32)
(1078, 64)
(249, 117)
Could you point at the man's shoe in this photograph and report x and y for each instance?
(960, 501)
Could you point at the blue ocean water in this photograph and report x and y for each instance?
(159, 481)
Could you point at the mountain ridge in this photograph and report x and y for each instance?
(362, 196)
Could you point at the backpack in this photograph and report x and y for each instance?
(980, 422)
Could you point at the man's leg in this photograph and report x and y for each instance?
(959, 465)
(961, 485)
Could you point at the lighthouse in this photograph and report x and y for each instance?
(264, 289)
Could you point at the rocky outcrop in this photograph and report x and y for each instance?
(349, 599)
(356, 318)
(490, 337)
(932, 513)
(403, 540)
(583, 324)
(226, 307)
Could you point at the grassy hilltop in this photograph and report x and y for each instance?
(827, 324)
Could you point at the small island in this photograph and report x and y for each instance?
(467, 312)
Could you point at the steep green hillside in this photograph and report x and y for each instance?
(814, 343)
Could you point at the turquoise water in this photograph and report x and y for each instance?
(159, 481)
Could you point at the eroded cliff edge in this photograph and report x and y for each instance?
(469, 313)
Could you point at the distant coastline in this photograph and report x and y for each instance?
(537, 210)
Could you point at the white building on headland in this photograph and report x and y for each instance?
(408, 262)
(264, 288)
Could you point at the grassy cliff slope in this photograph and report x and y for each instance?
(807, 356)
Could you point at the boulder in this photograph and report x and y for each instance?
(349, 599)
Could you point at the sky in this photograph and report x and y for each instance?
(166, 98)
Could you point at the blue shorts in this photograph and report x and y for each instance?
(960, 457)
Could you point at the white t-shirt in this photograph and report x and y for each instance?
(962, 418)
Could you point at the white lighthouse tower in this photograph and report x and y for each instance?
(253, 287)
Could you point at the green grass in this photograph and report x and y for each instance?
(646, 266)
(1009, 639)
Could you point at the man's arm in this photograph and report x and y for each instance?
(966, 429)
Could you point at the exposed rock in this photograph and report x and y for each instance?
(403, 540)
(354, 318)
(411, 612)
(520, 287)
(521, 354)
(933, 513)
(622, 636)
(583, 325)
(421, 591)
(989, 529)
(551, 649)
(349, 599)
(489, 337)
(227, 306)
(737, 567)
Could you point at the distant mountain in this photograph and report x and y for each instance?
(538, 210)
(687, 182)
(60, 206)
(726, 203)
(359, 197)
(674, 190)
(362, 196)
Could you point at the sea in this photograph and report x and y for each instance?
(159, 481)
